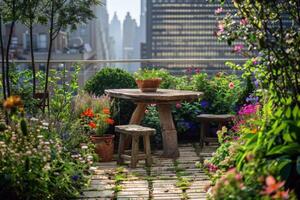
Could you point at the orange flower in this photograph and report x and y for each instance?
(254, 130)
(110, 121)
(88, 113)
(13, 101)
(92, 125)
(106, 111)
(272, 185)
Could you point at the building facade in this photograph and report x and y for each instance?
(184, 29)
(116, 34)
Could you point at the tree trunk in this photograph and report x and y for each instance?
(49, 56)
(32, 60)
(7, 56)
(2, 60)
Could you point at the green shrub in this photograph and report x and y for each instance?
(113, 78)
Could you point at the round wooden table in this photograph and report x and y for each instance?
(163, 98)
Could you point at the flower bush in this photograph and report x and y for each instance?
(34, 162)
(94, 113)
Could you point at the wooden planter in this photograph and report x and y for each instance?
(148, 85)
(104, 146)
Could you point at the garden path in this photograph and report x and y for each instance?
(166, 179)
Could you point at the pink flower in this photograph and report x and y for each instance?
(197, 70)
(238, 48)
(231, 85)
(244, 21)
(146, 111)
(218, 10)
(254, 61)
(189, 70)
(178, 105)
(221, 26)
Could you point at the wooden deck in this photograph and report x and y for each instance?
(166, 179)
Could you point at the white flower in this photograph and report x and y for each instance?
(40, 136)
(45, 124)
(34, 119)
(46, 143)
(90, 158)
(93, 168)
(84, 147)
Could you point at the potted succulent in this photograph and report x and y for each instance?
(148, 80)
(95, 118)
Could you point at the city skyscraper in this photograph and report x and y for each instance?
(184, 29)
(116, 34)
(142, 27)
(130, 41)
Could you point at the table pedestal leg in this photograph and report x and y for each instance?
(138, 113)
(169, 133)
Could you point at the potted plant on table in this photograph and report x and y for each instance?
(148, 80)
(95, 118)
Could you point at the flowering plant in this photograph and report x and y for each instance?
(97, 123)
(34, 164)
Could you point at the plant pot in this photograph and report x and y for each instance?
(104, 146)
(148, 85)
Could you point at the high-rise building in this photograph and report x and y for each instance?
(116, 34)
(142, 27)
(130, 41)
(184, 29)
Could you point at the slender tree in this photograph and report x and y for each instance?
(11, 13)
(62, 14)
(2, 57)
(30, 16)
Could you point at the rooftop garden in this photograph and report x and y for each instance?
(48, 150)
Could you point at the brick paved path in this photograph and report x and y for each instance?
(166, 179)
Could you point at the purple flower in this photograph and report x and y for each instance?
(256, 83)
(197, 70)
(204, 103)
(75, 177)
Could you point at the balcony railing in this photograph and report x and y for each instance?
(175, 66)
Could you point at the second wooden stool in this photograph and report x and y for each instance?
(135, 132)
(205, 120)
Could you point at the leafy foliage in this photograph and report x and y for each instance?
(113, 78)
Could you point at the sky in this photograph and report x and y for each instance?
(122, 7)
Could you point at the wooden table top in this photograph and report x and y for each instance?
(162, 95)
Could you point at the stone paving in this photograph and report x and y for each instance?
(166, 179)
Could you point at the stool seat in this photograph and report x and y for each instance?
(134, 129)
(135, 132)
(205, 119)
(214, 117)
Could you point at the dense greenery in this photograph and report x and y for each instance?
(113, 78)
(266, 152)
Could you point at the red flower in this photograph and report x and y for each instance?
(106, 111)
(92, 125)
(88, 113)
(110, 121)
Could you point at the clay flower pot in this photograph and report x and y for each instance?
(148, 85)
(104, 146)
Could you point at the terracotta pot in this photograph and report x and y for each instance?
(104, 146)
(148, 85)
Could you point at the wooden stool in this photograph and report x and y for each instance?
(135, 131)
(205, 119)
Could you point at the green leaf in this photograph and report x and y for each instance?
(290, 149)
